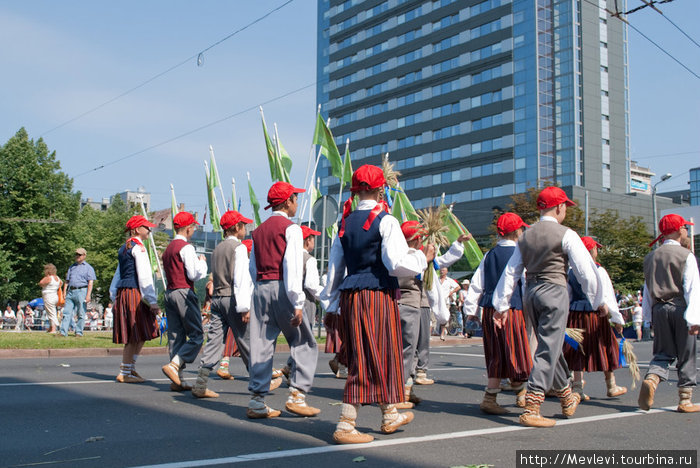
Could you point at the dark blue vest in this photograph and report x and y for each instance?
(578, 300)
(363, 254)
(493, 266)
(127, 267)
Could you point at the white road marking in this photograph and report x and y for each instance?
(72, 382)
(391, 442)
(456, 354)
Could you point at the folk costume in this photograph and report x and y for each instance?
(185, 335)
(312, 285)
(134, 297)
(230, 303)
(372, 248)
(599, 351)
(276, 265)
(507, 348)
(545, 251)
(671, 301)
(414, 304)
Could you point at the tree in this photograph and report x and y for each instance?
(7, 274)
(37, 211)
(625, 243)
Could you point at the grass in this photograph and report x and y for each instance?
(91, 339)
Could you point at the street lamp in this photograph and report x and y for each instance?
(664, 178)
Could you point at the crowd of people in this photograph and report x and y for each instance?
(537, 283)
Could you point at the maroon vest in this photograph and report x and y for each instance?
(270, 243)
(174, 266)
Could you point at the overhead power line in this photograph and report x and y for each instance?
(618, 16)
(190, 132)
(197, 56)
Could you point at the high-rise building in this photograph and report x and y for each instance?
(481, 99)
(694, 186)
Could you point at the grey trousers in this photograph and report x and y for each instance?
(422, 356)
(410, 329)
(185, 335)
(671, 342)
(223, 317)
(310, 314)
(272, 315)
(547, 307)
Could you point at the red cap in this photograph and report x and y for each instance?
(138, 221)
(509, 222)
(412, 229)
(231, 218)
(306, 231)
(373, 176)
(589, 242)
(248, 244)
(669, 224)
(552, 196)
(184, 219)
(280, 193)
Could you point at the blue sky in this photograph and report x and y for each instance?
(63, 58)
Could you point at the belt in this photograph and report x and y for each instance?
(77, 287)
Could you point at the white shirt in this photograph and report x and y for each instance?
(292, 263)
(691, 291)
(399, 260)
(143, 273)
(242, 282)
(637, 314)
(448, 285)
(476, 287)
(580, 262)
(51, 289)
(450, 257)
(195, 268)
(312, 281)
(609, 296)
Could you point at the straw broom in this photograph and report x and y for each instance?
(631, 358)
(435, 234)
(390, 174)
(576, 334)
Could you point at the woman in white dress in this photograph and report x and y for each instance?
(49, 292)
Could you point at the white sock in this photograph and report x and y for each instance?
(125, 369)
(348, 412)
(177, 360)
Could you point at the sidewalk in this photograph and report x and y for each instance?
(105, 352)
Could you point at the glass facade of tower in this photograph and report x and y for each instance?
(474, 99)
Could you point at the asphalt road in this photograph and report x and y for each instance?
(70, 412)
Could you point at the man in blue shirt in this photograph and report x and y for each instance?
(77, 290)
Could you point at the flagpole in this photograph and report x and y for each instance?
(313, 176)
(233, 194)
(216, 170)
(153, 242)
(311, 155)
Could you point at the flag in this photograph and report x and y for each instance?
(214, 215)
(254, 202)
(233, 195)
(284, 157)
(271, 152)
(282, 173)
(324, 138)
(152, 256)
(402, 208)
(173, 203)
(347, 166)
(213, 171)
(332, 231)
(472, 252)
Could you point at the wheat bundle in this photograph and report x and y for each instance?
(390, 174)
(631, 358)
(432, 219)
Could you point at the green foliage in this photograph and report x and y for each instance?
(625, 243)
(7, 273)
(33, 189)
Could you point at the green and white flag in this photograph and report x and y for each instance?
(214, 215)
(254, 201)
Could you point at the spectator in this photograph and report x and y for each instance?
(77, 289)
(49, 293)
(9, 318)
(450, 288)
(109, 318)
(460, 304)
(28, 318)
(637, 319)
(94, 319)
(19, 319)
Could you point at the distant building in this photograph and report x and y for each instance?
(130, 197)
(640, 178)
(95, 205)
(695, 186)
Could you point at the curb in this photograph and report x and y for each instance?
(162, 350)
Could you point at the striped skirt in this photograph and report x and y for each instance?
(601, 351)
(372, 348)
(507, 349)
(333, 341)
(230, 347)
(133, 320)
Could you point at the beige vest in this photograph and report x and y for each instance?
(543, 256)
(663, 272)
(223, 261)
